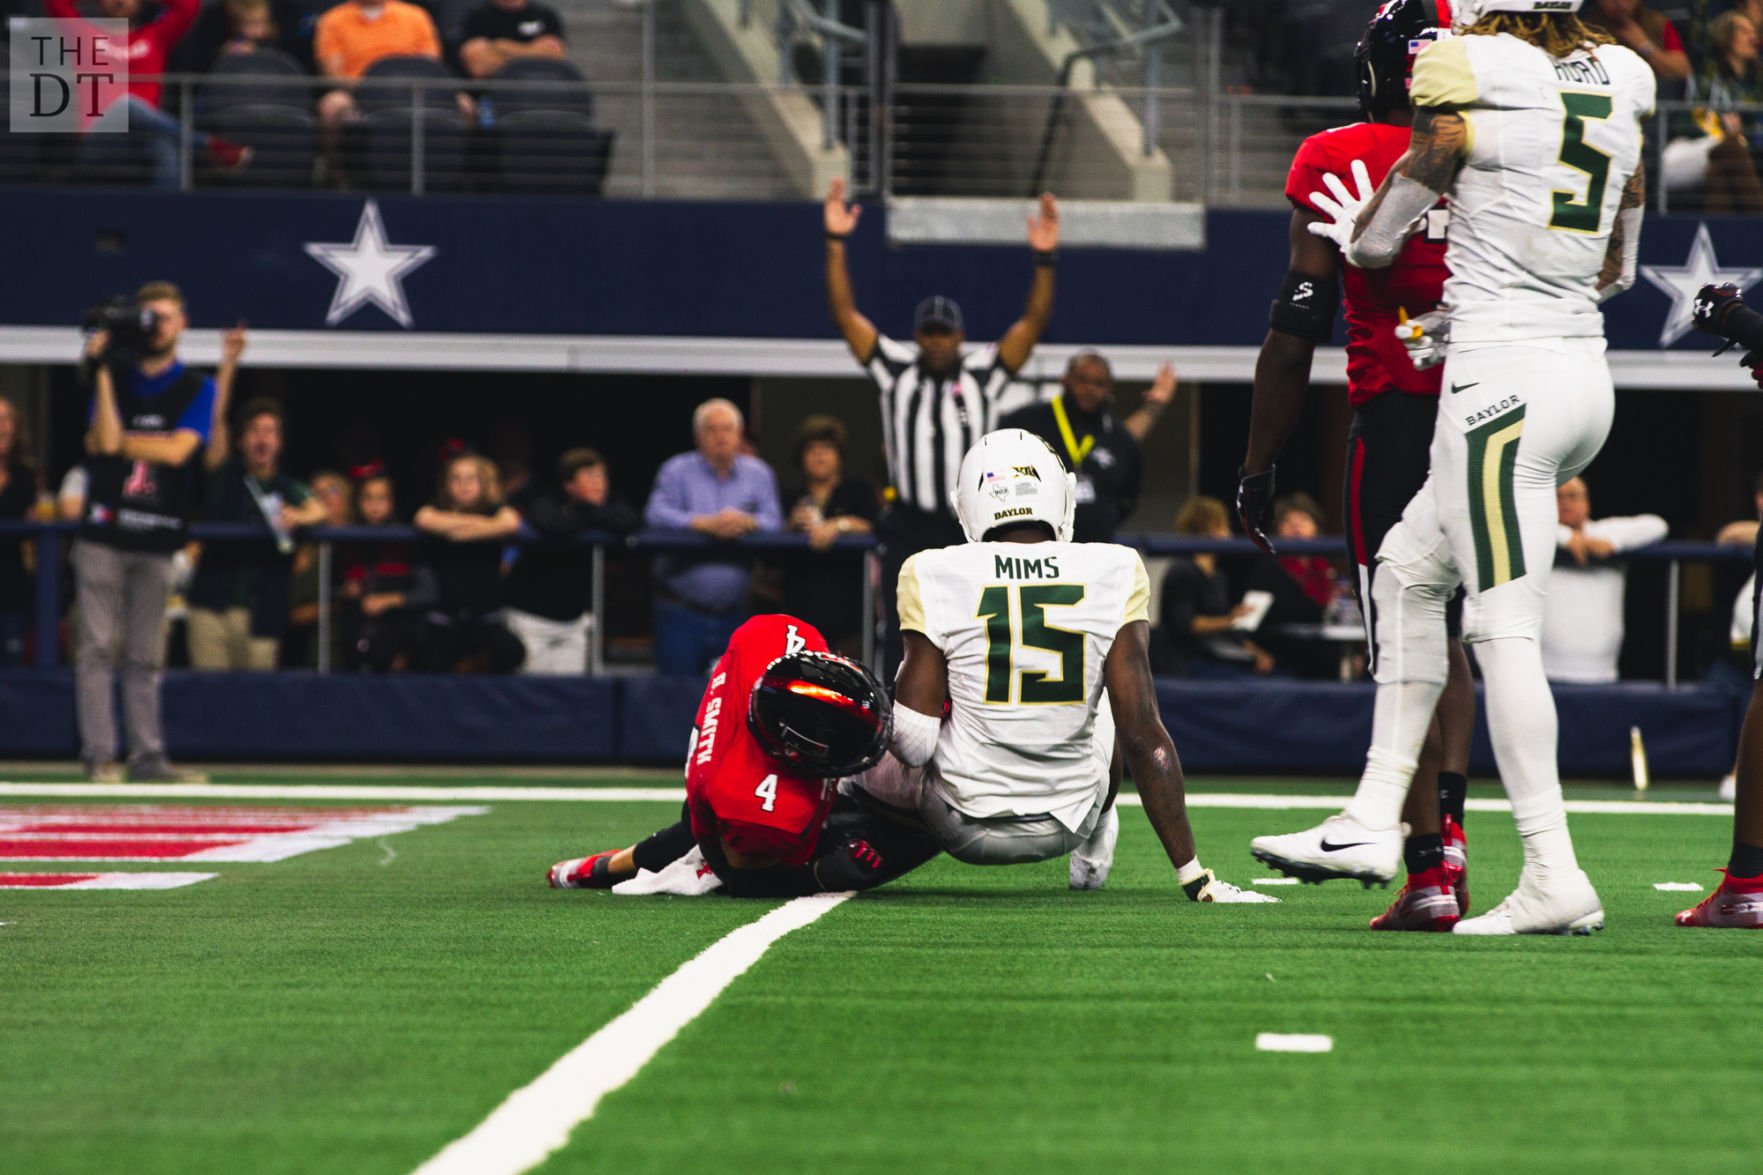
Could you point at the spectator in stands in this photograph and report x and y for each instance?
(300, 644)
(723, 494)
(1714, 148)
(1301, 586)
(466, 524)
(386, 593)
(550, 589)
(1196, 636)
(229, 27)
(150, 416)
(18, 500)
(827, 590)
(1645, 31)
(148, 52)
(499, 31)
(1582, 623)
(1101, 449)
(239, 597)
(354, 35)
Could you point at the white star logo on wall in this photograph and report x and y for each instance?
(370, 270)
(1680, 283)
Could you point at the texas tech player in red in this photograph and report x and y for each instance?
(781, 721)
(1394, 407)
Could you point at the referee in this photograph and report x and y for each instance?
(936, 402)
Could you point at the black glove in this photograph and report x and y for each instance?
(1713, 303)
(1255, 505)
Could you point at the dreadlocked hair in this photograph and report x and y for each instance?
(1557, 34)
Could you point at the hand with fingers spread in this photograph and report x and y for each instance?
(1344, 208)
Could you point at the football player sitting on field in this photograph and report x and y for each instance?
(780, 722)
(1039, 648)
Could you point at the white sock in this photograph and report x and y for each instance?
(1521, 719)
(1412, 665)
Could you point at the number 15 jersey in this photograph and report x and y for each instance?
(1552, 144)
(1025, 629)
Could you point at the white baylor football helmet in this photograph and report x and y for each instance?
(1013, 476)
(1466, 12)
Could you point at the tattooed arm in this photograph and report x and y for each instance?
(1622, 257)
(1440, 140)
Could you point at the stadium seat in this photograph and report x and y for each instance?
(387, 137)
(387, 85)
(257, 79)
(570, 92)
(556, 151)
(546, 140)
(283, 139)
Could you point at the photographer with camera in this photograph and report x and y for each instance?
(150, 417)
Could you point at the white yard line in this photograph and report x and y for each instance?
(484, 793)
(1296, 1042)
(536, 1120)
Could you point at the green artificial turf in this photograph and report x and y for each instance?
(355, 1009)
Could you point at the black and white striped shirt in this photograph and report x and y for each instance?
(928, 424)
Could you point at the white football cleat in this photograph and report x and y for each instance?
(1338, 847)
(1092, 861)
(1729, 788)
(1566, 906)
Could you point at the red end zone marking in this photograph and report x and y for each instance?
(101, 880)
(110, 832)
(65, 848)
(42, 880)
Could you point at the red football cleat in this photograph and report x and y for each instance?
(1457, 863)
(584, 872)
(1736, 905)
(1426, 903)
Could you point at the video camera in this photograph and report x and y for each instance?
(130, 327)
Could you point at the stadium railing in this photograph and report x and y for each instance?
(51, 539)
(1217, 146)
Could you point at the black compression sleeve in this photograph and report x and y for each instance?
(661, 849)
(1743, 326)
(1305, 307)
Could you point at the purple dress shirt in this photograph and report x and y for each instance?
(686, 487)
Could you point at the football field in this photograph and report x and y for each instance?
(362, 976)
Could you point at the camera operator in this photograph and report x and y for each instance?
(150, 419)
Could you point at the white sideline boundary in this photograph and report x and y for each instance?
(486, 793)
(536, 1120)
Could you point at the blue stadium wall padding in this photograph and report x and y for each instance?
(1321, 728)
(665, 267)
(37, 715)
(407, 718)
(656, 716)
(1283, 727)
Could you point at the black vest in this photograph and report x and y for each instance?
(142, 505)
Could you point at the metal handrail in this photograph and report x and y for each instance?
(1155, 35)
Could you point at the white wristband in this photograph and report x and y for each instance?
(915, 736)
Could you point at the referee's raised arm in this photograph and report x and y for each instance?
(1043, 237)
(841, 221)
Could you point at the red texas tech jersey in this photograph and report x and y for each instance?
(735, 791)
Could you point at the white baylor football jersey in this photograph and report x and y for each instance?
(1553, 142)
(1025, 629)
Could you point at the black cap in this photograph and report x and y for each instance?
(937, 310)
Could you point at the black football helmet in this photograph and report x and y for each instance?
(820, 714)
(1384, 58)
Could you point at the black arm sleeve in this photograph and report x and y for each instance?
(1306, 307)
(1744, 326)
